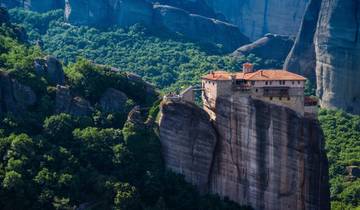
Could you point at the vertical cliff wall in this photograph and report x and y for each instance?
(302, 57)
(265, 156)
(328, 49)
(258, 17)
(337, 47)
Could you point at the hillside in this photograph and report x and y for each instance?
(77, 138)
(167, 61)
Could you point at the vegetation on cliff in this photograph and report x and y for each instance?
(342, 134)
(52, 160)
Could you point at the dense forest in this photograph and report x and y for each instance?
(342, 134)
(169, 62)
(101, 160)
(46, 169)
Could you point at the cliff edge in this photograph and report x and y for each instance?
(255, 153)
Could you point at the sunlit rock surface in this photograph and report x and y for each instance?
(265, 156)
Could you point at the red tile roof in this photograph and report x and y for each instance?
(260, 75)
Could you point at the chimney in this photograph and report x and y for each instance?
(248, 68)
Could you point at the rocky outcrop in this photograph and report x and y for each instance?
(198, 27)
(125, 13)
(34, 5)
(106, 12)
(51, 68)
(337, 48)
(266, 156)
(188, 141)
(302, 58)
(113, 101)
(14, 96)
(270, 47)
(330, 45)
(66, 103)
(259, 17)
(199, 7)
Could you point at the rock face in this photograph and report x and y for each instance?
(51, 68)
(259, 17)
(106, 12)
(337, 47)
(330, 45)
(188, 141)
(66, 103)
(272, 46)
(198, 27)
(302, 58)
(125, 13)
(266, 156)
(34, 5)
(14, 96)
(113, 101)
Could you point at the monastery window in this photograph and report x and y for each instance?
(299, 82)
(256, 90)
(280, 98)
(293, 82)
(271, 98)
(288, 98)
(270, 82)
(266, 83)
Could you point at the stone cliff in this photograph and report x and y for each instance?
(269, 47)
(328, 49)
(255, 153)
(176, 20)
(302, 58)
(255, 18)
(258, 17)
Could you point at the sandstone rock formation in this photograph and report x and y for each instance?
(265, 156)
(333, 49)
(198, 27)
(272, 47)
(259, 17)
(337, 48)
(66, 103)
(125, 13)
(105, 12)
(188, 140)
(14, 96)
(51, 68)
(302, 58)
(113, 101)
